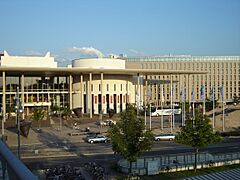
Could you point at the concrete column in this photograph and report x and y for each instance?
(3, 101)
(70, 92)
(127, 94)
(82, 93)
(22, 94)
(101, 93)
(90, 94)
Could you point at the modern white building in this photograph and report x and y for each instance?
(223, 76)
(95, 85)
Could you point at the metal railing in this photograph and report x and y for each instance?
(12, 167)
(179, 162)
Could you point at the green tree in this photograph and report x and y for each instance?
(38, 115)
(197, 133)
(129, 137)
(66, 112)
(9, 110)
(55, 109)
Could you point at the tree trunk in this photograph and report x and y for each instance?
(195, 163)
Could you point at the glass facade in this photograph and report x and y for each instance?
(52, 90)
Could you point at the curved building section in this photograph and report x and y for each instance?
(99, 92)
(99, 63)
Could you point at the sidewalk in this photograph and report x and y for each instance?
(51, 135)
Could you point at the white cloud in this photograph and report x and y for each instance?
(60, 58)
(33, 53)
(87, 51)
(136, 52)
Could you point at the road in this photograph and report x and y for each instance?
(83, 152)
(161, 147)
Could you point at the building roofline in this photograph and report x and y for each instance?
(77, 70)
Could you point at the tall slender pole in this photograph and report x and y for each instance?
(18, 123)
(182, 112)
(162, 107)
(138, 95)
(204, 106)
(145, 116)
(223, 118)
(60, 122)
(145, 102)
(171, 123)
(3, 104)
(213, 98)
(150, 118)
(193, 109)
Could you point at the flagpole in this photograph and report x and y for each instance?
(213, 99)
(145, 114)
(193, 109)
(204, 101)
(223, 123)
(145, 104)
(193, 99)
(204, 106)
(182, 101)
(182, 112)
(162, 109)
(223, 115)
(171, 123)
(150, 118)
(223, 119)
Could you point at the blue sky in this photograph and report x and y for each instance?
(131, 27)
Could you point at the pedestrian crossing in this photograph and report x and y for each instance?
(233, 174)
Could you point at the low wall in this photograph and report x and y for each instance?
(177, 162)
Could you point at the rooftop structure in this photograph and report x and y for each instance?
(27, 61)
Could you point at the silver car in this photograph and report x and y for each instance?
(169, 137)
(97, 138)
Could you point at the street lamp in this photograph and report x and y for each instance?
(18, 109)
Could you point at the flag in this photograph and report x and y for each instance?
(171, 91)
(182, 94)
(212, 94)
(202, 92)
(149, 91)
(221, 92)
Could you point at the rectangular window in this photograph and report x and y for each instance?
(114, 87)
(107, 87)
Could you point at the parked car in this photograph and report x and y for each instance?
(169, 137)
(107, 122)
(96, 138)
